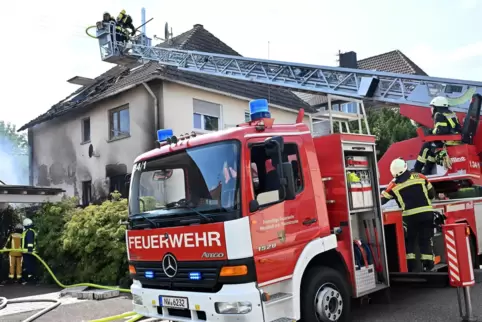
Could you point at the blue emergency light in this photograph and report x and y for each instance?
(164, 134)
(195, 276)
(149, 274)
(259, 109)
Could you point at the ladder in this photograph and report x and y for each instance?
(366, 85)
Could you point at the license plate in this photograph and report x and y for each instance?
(173, 302)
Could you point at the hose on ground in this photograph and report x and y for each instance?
(124, 290)
(3, 301)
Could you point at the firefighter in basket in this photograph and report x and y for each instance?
(445, 122)
(414, 195)
(124, 23)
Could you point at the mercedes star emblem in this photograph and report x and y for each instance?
(169, 265)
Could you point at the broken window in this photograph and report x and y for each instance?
(86, 130)
(119, 123)
(86, 192)
(120, 183)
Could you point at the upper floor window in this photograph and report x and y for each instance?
(86, 130)
(119, 123)
(247, 116)
(206, 115)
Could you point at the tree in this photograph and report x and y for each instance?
(14, 150)
(389, 127)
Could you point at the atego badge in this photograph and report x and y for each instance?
(282, 235)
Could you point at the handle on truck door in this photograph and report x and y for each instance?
(309, 221)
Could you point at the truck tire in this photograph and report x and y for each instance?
(325, 296)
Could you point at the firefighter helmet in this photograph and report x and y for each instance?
(18, 227)
(398, 167)
(27, 222)
(440, 101)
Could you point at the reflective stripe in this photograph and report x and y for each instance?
(411, 256)
(434, 131)
(29, 245)
(415, 211)
(431, 159)
(387, 195)
(429, 186)
(421, 159)
(426, 257)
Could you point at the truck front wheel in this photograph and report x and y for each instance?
(325, 296)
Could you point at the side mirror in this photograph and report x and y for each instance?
(253, 205)
(289, 187)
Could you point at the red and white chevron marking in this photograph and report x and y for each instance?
(452, 255)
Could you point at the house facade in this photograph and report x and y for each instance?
(86, 144)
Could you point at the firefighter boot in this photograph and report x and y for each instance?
(427, 170)
(428, 265)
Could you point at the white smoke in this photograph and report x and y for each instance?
(13, 162)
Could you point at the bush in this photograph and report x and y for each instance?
(84, 245)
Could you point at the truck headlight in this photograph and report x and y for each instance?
(233, 307)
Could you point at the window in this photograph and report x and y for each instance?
(247, 116)
(119, 123)
(86, 192)
(265, 180)
(86, 130)
(206, 115)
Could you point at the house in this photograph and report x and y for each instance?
(86, 143)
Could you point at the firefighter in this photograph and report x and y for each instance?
(413, 193)
(107, 18)
(14, 241)
(445, 122)
(124, 22)
(29, 243)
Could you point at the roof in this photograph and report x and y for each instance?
(393, 61)
(119, 79)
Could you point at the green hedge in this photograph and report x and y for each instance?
(84, 245)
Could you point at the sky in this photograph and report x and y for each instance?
(443, 37)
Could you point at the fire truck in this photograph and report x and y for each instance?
(271, 222)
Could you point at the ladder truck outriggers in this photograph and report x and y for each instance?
(260, 222)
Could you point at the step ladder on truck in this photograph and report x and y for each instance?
(298, 242)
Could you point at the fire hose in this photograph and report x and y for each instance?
(4, 301)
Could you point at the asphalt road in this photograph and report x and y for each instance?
(407, 304)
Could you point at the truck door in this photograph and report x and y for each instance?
(279, 229)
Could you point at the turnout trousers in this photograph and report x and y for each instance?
(419, 229)
(15, 267)
(29, 266)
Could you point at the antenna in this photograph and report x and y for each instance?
(167, 35)
(269, 88)
(143, 20)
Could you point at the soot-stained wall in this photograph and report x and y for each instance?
(60, 159)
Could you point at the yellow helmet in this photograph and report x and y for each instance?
(123, 12)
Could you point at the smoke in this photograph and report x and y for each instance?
(13, 161)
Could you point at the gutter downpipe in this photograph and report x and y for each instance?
(156, 106)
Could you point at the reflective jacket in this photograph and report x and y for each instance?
(412, 192)
(14, 241)
(29, 241)
(446, 122)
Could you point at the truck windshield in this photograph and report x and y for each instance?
(200, 183)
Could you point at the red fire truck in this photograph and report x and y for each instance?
(210, 241)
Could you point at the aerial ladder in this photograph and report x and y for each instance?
(411, 93)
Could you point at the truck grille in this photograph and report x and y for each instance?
(208, 283)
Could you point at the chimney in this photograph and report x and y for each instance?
(198, 25)
(348, 60)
